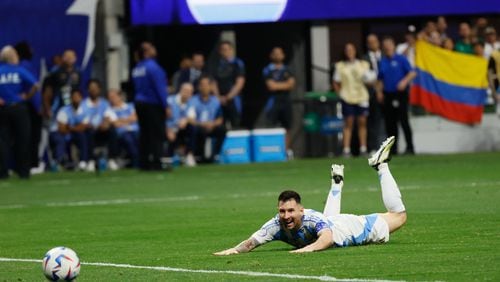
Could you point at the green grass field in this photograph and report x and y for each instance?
(179, 219)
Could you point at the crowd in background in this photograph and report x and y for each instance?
(103, 130)
(374, 88)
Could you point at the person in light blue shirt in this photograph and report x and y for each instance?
(178, 128)
(205, 115)
(126, 126)
(72, 123)
(150, 87)
(101, 131)
(17, 85)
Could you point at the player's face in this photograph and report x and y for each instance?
(204, 87)
(69, 57)
(277, 55)
(114, 98)
(290, 213)
(94, 90)
(76, 98)
(226, 51)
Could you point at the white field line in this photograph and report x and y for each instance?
(205, 271)
(229, 196)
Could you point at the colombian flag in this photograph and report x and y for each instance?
(449, 84)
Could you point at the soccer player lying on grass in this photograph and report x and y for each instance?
(310, 231)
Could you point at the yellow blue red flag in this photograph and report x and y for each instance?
(449, 84)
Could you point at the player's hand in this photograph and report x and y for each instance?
(380, 97)
(2, 102)
(303, 250)
(227, 252)
(402, 84)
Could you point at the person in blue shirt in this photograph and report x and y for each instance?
(394, 77)
(205, 115)
(127, 128)
(34, 106)
(279, 81)
(17, 85)
(72, 123)
(178, 129)
(59, 84)
(229, 76)
(150, 85)
(101, 132)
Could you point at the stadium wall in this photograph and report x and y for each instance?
(436, 135)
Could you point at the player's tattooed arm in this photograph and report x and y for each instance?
(325, 241)
(243, 247)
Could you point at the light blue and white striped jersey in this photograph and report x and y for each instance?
(98, 111)
(70, 116)
(178, 110)
(312, 223)
(124, 111)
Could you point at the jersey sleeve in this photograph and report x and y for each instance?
(240, 71)
(160, 84)
(268, 232)
(27, 78)
(62, 117)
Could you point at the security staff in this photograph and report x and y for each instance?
(229, 82)
(150, 84)
(16, 86)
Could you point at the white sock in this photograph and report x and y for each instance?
(332, 206)
(390, 191)
(362, 149)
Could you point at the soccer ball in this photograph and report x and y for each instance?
(61, 264)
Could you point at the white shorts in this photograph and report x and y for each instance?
(352, 230)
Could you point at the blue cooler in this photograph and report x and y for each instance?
(268, 145)
(236, 147)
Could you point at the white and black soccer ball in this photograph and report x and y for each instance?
(61, 264)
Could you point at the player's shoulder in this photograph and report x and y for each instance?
(313, 216)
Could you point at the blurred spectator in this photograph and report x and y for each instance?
(151, 105)
(101, 131)
(448, 44)
(126, 126)
(279, 81)
(230, 79)
(348, 80)
(491, 42)
(442, 27)
(184, 65)
(34, 105)
(407, 48)
(478, 49)
(395, 75)
(178, 128)
(58, 85)
(16, 86)
(192, 74)
(376, 132)
(56, 63)
(72, 124)
(464, 44)
(205, 115)
(435, 39)
(494, 77)
(479, 28)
